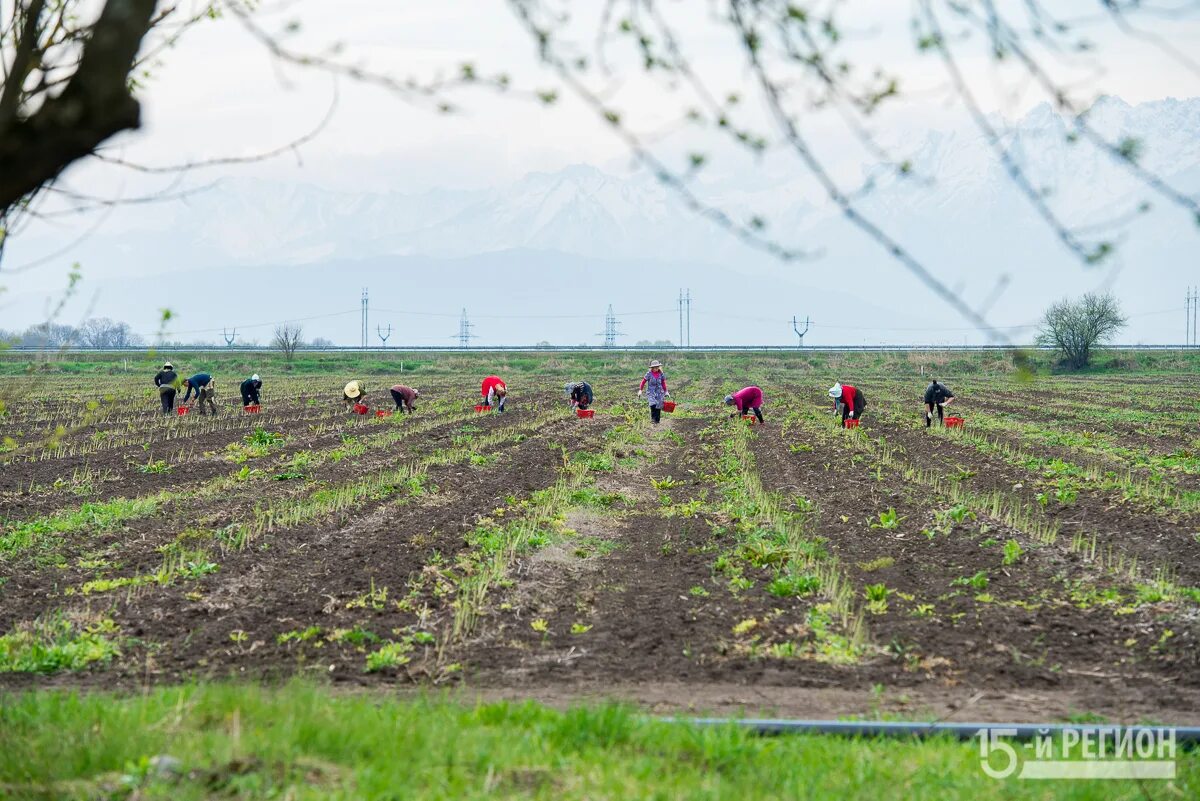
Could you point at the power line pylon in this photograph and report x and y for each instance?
(229, 338)
(611, 328)
(365, 306)
(384, 336)
(464, 331)
(799, 333)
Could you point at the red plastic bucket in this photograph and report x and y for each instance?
(668, 406)
(182, 410)
(382, 413)
(483, 408)
(954, 422)
(253, 408)
(585, 414)
(851, 422)
(361, 408)
(751, 419)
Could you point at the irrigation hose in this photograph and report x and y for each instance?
(1184, 735)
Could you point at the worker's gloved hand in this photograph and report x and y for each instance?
(928, 415)
(639, 393)
(851, 415)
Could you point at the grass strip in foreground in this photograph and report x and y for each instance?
(304, 741)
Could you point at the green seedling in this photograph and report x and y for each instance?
(888, 520)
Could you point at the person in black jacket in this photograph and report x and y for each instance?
(580, 394)
(250, 388)
(939, 395)
(167, 382)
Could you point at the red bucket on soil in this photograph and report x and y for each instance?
(182, 410)
(361, 408)
(253, 408)
(483, 408)
(668, 406)
(585, 414)
(851, 422)
(382, 413)
(954, 422)
(751, 419)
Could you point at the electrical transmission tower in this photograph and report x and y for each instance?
(383, 337)
(365, 334)
(799, 333)
(611, 331)
(685, 315)
(229, 337)
(1189, 324)
(464, 331)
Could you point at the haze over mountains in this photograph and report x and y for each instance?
(570, 242)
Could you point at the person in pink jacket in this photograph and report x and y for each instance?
(747, 400)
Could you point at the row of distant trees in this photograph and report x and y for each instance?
(1072, 327)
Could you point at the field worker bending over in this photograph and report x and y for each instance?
(654, 384)
(250, 388)
(167, 381)
(354, 393)
(494, 392)
(938, 395)
(747, 400)
(847, 400)
(404, 397)
(205, 389)
(580, 394)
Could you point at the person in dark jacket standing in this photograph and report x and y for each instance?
(205, 389)
(250, 388)
(580, 394)
(404, 398)
(167, 381)
(938, 395)
(847, 400)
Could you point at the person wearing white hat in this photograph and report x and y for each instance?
(354, 393)
(848, 401)
(167, 381)
(654, 384)
(250, 388)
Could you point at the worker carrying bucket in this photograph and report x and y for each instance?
(494, 392)
(205, 389)
(405, 397)
(167, 381)
(849, 402)
(654, 384)
(939, 395)
(354, 394)
(748, 400)
(580, 394)
(250, 389)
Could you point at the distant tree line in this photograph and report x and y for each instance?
(97, 332)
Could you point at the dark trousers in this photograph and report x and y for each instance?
(858, 410)
(250, 397)
(929, 412)
(401, 403)
(167, 396)
(655, 413)
(757, 411)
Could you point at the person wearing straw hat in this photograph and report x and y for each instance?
(205, 389)
(939, 395)
(249, 389)
(167, 381)
(494, 392)
(579, 393)
(746, 400)
(354, 393)
(404, 398)
(654, 384)
(847, 400)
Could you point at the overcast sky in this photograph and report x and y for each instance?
(220, 93)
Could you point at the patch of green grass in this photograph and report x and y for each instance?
(56, 643)
(789, 585)
(90, 516)
(305, 741)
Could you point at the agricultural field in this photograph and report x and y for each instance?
(1041, 563)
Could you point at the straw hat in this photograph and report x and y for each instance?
(835, 391)
(655, 363)
(353, 390)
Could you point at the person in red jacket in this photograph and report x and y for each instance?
(494, 392)
(747, 400)
(848, 400)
